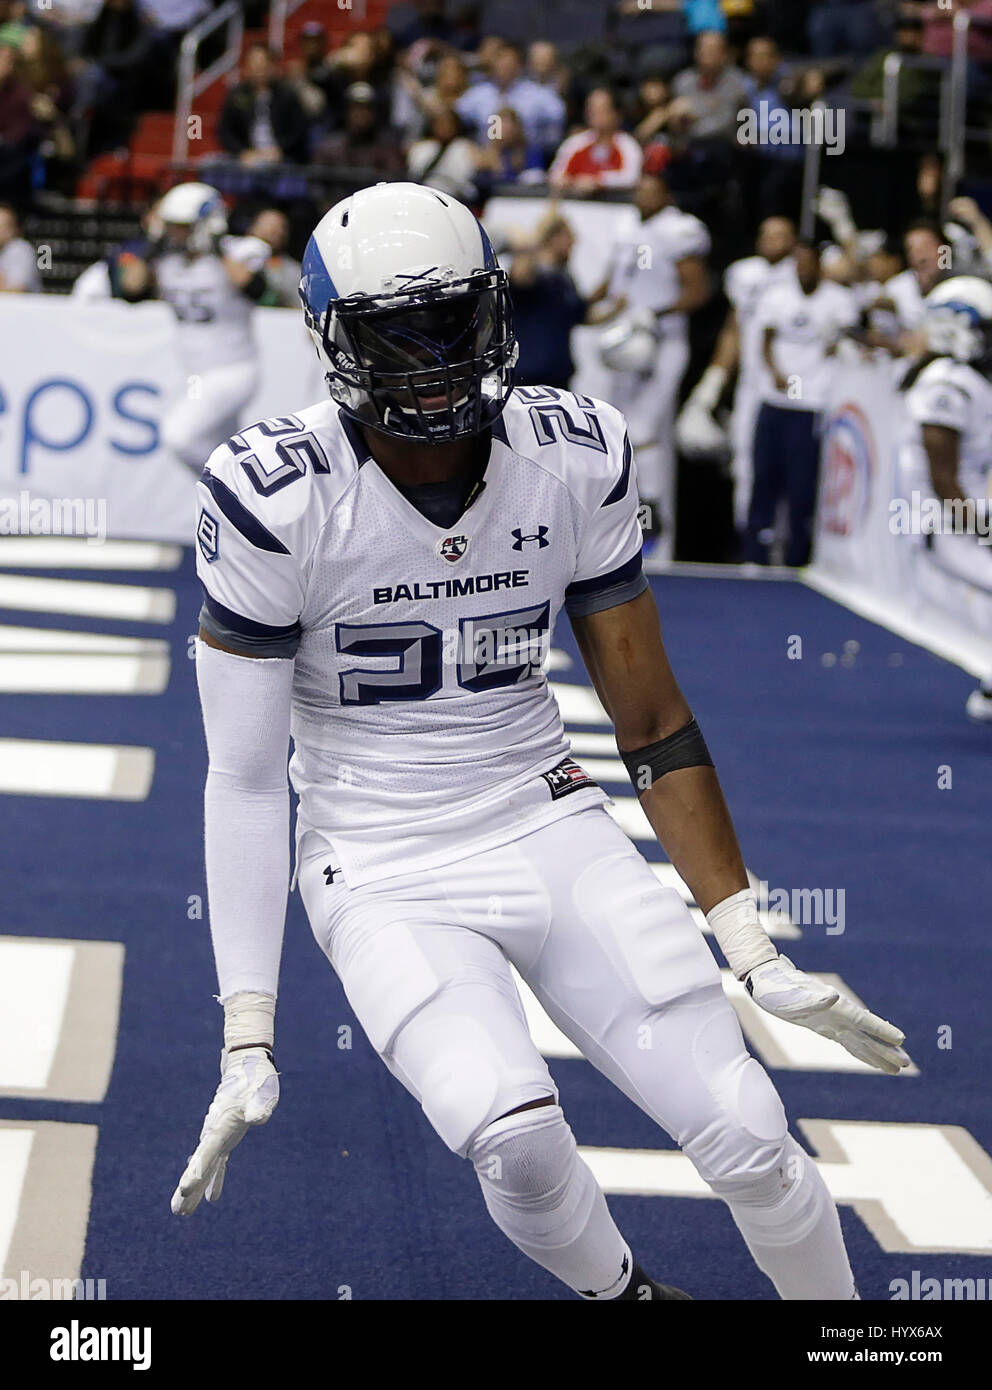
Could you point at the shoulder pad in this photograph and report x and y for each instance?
(581, 440)
(277, 480)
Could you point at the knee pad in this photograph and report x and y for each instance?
(746, 1139)
(545, 1199)
(526, 1161)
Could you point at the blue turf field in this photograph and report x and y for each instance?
(831, 771)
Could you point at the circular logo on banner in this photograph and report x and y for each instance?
(849, 457)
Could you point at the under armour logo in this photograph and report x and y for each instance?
(538, 536)
(330, 871)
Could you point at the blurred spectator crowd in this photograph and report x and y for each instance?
(642, 105)
(438, 94)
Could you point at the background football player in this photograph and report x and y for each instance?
(211, 280)
(949, 408)
(352, 557)
(658, 278)
(738, 348)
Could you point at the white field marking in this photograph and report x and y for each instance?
(557, 660)
(916, 1187)
(59, 1013)
(776, 924)
(87, 598)
(627, 812)
(602, 745)
(50, 673)
(50, 639)
(46, 1180)
(77, 553)
(15, 1155)
(31, 767)
(579, 704)
(34, 985)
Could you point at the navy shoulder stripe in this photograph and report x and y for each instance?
(355, 438)
(621, 488)
(623, 574)
(240, 517)
(247, 627)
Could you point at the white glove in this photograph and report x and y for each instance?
(782, 990)
(247, 1095)
(697, 434)
(835, 209)
(696, 431)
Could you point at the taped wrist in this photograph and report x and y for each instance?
(685, 748)
(739, 933)
(249, 1021)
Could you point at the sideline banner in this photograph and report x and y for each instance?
(872, 503)
(84, 389)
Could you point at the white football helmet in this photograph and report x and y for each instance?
(410, 313)
(196, 206)
(958, 320)
(630, 344)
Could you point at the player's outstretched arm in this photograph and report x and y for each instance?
(246, 710)
(676, 782)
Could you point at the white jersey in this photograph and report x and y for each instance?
(954, 395)
(904, 291)
(745, 283)
(423, 722)
(214, 316)
(806, 327)
(645, 264)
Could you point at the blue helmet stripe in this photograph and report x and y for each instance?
(958, 306)
(317, 286)
(488, 254)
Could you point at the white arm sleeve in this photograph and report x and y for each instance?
(246, 708)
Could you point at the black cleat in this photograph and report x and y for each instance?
(643, 1289)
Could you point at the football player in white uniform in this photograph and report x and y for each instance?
(381, 574)
(658, 278)
(211, 280)
(949, 452)
(738, 348)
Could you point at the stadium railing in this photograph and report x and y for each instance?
(190, 83)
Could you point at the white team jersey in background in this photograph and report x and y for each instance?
(904, 291)
(954, 395)
(746, 282)
(645, 262)
(806, 325)
(424, 725)
(214, 317)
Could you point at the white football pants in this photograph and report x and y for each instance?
(619, 965)
(747, 403)
(207, 412)
(649, 404)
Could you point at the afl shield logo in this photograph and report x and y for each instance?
(849, 467)
(453, 548)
